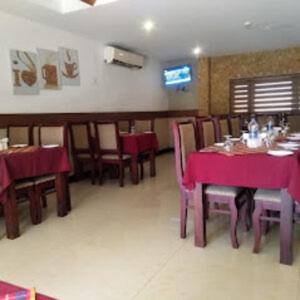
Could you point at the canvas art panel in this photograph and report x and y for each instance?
(69, 66)
(49, 69)
(24, 72)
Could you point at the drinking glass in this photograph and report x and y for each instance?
(228, 143)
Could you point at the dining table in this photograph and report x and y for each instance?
(255, 169)
(28, 163)
(8, 289)
(136, 144)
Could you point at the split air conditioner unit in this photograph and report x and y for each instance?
(123, 58)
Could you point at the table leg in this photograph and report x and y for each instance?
(62, 194)
(286, 228)
(11, 214)
(152, 163)
(199, 217)
(134, 169)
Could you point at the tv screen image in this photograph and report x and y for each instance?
(179, 75)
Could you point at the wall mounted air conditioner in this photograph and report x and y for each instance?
(113, 55)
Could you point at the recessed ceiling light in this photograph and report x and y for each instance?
(248, 24)
(148, 25)
(197, 51)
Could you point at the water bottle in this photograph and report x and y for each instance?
(253, 128)
(270, 125)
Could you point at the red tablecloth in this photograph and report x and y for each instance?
(6, 288)
(31, 162)
(139, 142)
(253, 171)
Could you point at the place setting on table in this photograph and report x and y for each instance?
(22, 162)
(260, 159)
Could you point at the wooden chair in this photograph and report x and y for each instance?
(222, 128)
(108, 149)
(19, 134)
(267, 209)
(55, 135)
(235, 126)
(206, 132)
(82, 148)
(3, 132)
(144, 125)
(24, 190)
(234, 198)
(124, 125)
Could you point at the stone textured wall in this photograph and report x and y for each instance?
(225, 68)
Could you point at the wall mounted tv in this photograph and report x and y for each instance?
(178, 75)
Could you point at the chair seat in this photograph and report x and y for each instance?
(267, 195)
(115, 157)
(24, 184)
(221, 190)
(44, 179)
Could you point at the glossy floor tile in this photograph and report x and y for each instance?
(123, 243)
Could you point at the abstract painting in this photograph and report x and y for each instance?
(49, 69)
(24, 72)
(69, 66)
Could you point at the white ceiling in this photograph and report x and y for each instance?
(215, 25)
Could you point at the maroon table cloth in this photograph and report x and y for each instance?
(252, 170)
(139, 142)
(31, 162)
(6, 288)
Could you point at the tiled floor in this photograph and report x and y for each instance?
(124, 244)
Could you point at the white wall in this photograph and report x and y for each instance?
(103, 87)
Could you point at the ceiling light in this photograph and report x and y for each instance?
(248, 24)
(148, 25)
(197, 51)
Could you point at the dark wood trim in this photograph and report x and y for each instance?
(62, 118)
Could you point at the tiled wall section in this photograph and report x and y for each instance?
(224, 68)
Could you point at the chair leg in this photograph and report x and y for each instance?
(183, 214)
(121, 174)
(258, 211)
(233, 223)
(265, 224)
(35, 207)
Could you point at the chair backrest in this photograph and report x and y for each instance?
(144, 125)
(80, 137)
(53, 134)
(184, 143)
(222, 128)
(3, 132)
(124, 125)
(206, 132)
(19, 134)
(107, 137)
(235, 126)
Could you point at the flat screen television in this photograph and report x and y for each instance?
(178, 75)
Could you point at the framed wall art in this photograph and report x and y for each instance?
(69, 66)
(49, 69)
(24, 72)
